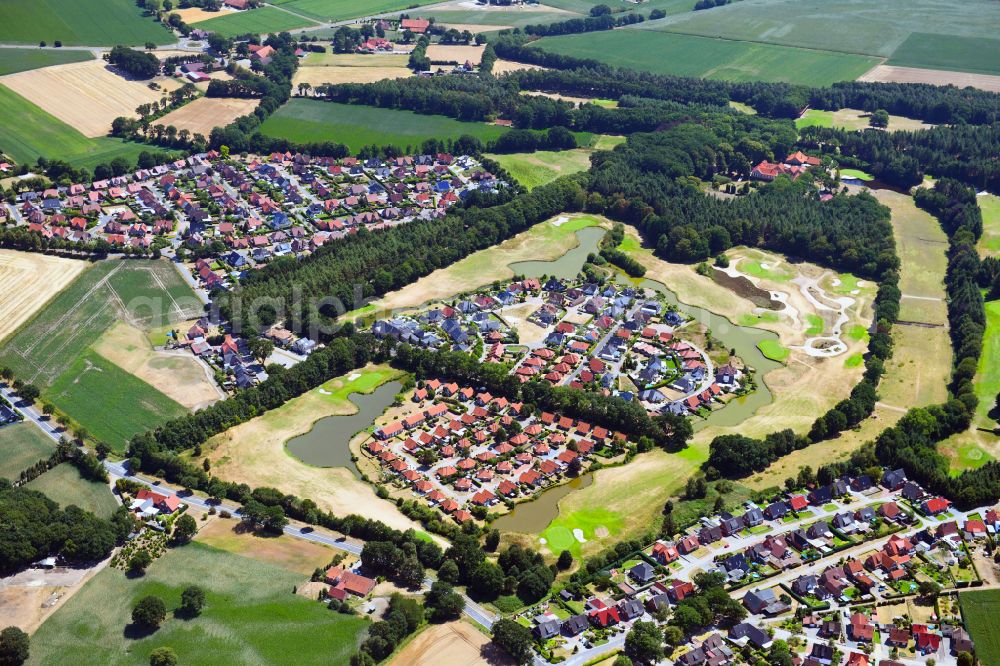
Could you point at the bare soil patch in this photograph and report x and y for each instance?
(504, 66)
(528, 332)
(451, 644)
(457, 54)
(177, 374)
(284, 551)
(86, 95)
(29, 281)
(317, 76)
(195, 14)
(893, 74)
(206, 113)
(29, 597)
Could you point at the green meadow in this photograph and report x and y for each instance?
(21, 446)
(309, 120)
(21, 60)
(64, 485)
(250, 617)
(254, 22)
(979, 610)
(949, 52)
(79, 23)
(111, 404)
(728, 60)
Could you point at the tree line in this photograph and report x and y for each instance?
(138, 64)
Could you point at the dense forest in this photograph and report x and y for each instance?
(34, 527)
(963, 152)
(643, 181)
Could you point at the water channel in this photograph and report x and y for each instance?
(326, 444)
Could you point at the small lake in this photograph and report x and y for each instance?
(567, 266)
(326, 445)
(534, 516)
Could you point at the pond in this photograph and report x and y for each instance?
(567, 266)
(326, 445)
(534, 516)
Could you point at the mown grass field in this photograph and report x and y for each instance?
(340, 10)
(851, 26)
(27, 133)
(21, 60)
(250, 617)
(989, 243)
(113, 405)
(544, 166)
(21, 446)
(308, 120)
(949, 52)
(89, 23)
(254, 21)
(690, 55)
(979, 610)
(64, 485)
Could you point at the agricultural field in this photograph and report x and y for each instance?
(691, 55)
(21, 446)
(28, 132)
(862, 27)
(249, 618)
(254, 21)
(979, 610)
(111, 404)
(937, 77)
(255, 453)
(146, 294)
(319, 68)
(75, 23)
(948, 52)
(30, 280)
(206, 113)
(541, 167)
(307, 120)
(341, 10)
(87, 96)
(457, 54)
(64, 485)
(490, 19)
(177, 374)
(21, 60)
(671, 7)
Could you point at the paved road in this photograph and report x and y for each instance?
(31, 414)
(475, 612)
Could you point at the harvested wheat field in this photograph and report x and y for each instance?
(206, 113)
(287, 552)
(85, 95)
(451, 644)
(29, 281)
(195, 14)
(317, 76)
(505, 66)
(937, 77)
(458, 54)
(177, 374)
(474, 28)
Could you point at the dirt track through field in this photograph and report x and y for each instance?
(29, 281)
(206, 113)
(85, 95)
(937, 77)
